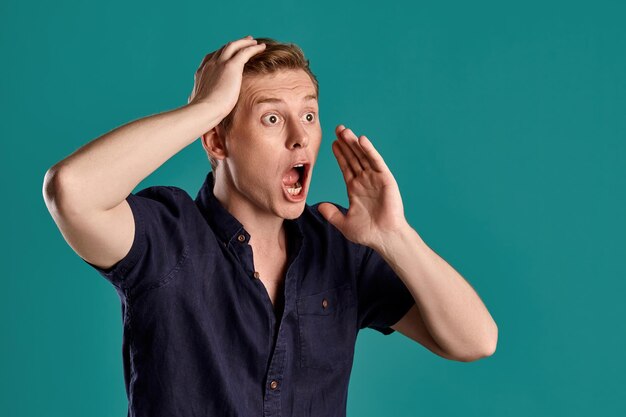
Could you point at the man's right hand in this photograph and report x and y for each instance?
(86, 191)
(218, 78)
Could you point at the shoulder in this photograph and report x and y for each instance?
(165, 205)
(312, 211)
(358, 251)
(318, 228)
(163, 197)
(163, 192)
(313, 222)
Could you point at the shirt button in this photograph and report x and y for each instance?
(324, 303)
(241, 238)
(274, 384)
(256, 274)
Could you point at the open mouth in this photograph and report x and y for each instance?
(297, 177)
(296, 188)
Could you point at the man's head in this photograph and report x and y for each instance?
(275, 57)
(274, 125)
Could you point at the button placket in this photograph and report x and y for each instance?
(243, 251)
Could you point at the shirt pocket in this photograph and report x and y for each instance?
(327, 327)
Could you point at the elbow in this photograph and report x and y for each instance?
(51, 185)
(493, 341)
(55, 190)
(53, 180)
(487, 350)
(472, 357)
(490, 347)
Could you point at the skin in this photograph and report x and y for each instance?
(255, 153)
(448, 316)
(86, 192)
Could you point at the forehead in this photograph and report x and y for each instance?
(286, 85)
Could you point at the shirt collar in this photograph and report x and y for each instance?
(223, 223)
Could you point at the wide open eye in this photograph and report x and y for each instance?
(309, 116)
(271, 119)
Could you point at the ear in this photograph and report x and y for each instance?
(214, 142)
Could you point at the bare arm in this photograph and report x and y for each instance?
(458, 324)
(100, 174)
(85, 192)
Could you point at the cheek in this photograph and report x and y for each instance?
(255, 158)
(317, 140)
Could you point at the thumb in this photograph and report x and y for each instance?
(332, 214)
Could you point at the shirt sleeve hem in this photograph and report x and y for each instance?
(117, 273)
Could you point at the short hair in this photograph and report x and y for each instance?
(276, 56)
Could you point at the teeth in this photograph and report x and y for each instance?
(295, 190)
(298, 165)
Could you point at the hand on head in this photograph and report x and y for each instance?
(218, 78)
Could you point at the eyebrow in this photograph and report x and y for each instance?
(278, 100)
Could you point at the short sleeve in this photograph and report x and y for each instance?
(383, 299)
(160, 243)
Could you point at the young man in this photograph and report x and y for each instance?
(246, 301)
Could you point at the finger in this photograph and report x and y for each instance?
(351, 160)
(244, 54)
(353, 141)
(350, 155)
(376, 160)
(332, 214)
(339, 131)
(346, 170)
(231, 48)
(218, 52)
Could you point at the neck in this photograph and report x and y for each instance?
(266, 230)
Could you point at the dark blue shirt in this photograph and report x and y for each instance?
(201, 336)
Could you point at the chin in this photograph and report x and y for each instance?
(293, 212)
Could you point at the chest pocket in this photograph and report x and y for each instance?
(327, 323)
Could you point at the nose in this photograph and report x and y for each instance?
(297, 135)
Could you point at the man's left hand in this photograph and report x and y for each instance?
(375, 206)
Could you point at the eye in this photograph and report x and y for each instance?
(272, 118)
(310, 116)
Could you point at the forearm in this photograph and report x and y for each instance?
(454, 314)
(100, 174)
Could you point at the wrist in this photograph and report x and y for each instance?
(394, 242)
(206, 113)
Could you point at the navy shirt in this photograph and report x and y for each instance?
(201, 336)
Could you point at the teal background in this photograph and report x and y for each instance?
(504, 125)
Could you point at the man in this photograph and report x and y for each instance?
(247, 301)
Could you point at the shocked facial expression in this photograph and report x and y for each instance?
(276, 127)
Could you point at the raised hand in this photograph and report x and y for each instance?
(375, 206)
(218, 78)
